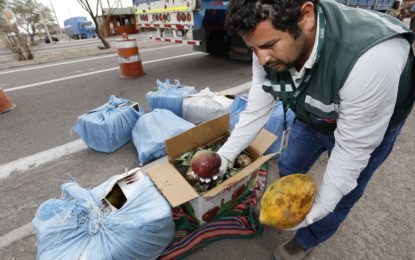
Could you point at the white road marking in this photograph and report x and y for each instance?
(75, 61)
(17, 234)
(38, 159)
(92, 73)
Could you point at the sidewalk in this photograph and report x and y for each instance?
(40, 58)
(67, 54)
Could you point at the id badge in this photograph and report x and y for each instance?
(284, 140)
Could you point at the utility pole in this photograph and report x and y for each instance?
(56, 18)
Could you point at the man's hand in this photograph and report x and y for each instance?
(225, 164)
(316, 213)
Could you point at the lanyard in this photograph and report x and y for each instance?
(307, 75)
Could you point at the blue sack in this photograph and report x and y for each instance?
(169, 96)
(108, 127)
(274, 123)
(75, 225)
(152, 129)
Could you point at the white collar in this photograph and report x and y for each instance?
(313, 55)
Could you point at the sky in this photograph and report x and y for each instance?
(68, 8)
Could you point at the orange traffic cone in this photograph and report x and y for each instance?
(5, 103)
(129, 58)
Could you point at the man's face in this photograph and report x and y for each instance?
(279, 50)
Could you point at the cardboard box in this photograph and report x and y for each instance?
(223, 197)
(122, 188)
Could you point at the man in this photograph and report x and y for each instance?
(348, 75)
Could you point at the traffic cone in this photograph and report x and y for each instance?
(5, 103)
(129, 58)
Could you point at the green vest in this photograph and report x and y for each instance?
(349, 33)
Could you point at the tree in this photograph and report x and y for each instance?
(10, 34)
(93, 11)
(28, 15)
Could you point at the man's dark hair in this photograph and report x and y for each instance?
(244, 15)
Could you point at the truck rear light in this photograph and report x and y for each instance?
(179, 17)
(189, 17)
(165, 17)
(183, 17)
(157, 17)
(146, 18)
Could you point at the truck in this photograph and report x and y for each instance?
(175, 20)
(79, 27)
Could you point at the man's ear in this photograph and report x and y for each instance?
(308, 20)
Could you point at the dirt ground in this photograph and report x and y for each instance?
(380, 226)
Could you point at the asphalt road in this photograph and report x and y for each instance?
(50, 97)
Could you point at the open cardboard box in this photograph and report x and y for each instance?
(205, 207)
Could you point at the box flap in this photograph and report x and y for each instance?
(171, 183)
(197, 136)
(262, 142)
(240, 175)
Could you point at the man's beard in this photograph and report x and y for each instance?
(278, 65)
(281, 66)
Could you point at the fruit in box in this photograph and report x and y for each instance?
(287, 201)
(187, 165)
(205, 163)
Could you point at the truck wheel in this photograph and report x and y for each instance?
(218, 43)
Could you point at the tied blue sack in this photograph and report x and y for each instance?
(152, 129)
(108, 127)
(274, 123)
(169, 96)
(73, 226)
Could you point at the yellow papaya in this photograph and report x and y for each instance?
(287, 201)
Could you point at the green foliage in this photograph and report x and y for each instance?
(27, 15)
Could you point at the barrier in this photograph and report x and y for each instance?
(5, 102)
(129, 58)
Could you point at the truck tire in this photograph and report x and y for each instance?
(218, 42)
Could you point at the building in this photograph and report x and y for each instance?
(121, 20)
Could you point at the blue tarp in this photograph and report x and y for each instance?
(169, 96)
(152, 129)
(108, 127)
(141, 229)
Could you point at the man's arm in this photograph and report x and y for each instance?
(367, 102)
(253, 119)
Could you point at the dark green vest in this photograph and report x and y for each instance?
(349, 33)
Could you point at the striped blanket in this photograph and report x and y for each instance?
(240, 222)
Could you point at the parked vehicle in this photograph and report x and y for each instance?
(205, 18)
(79, 28)
(54, 39)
